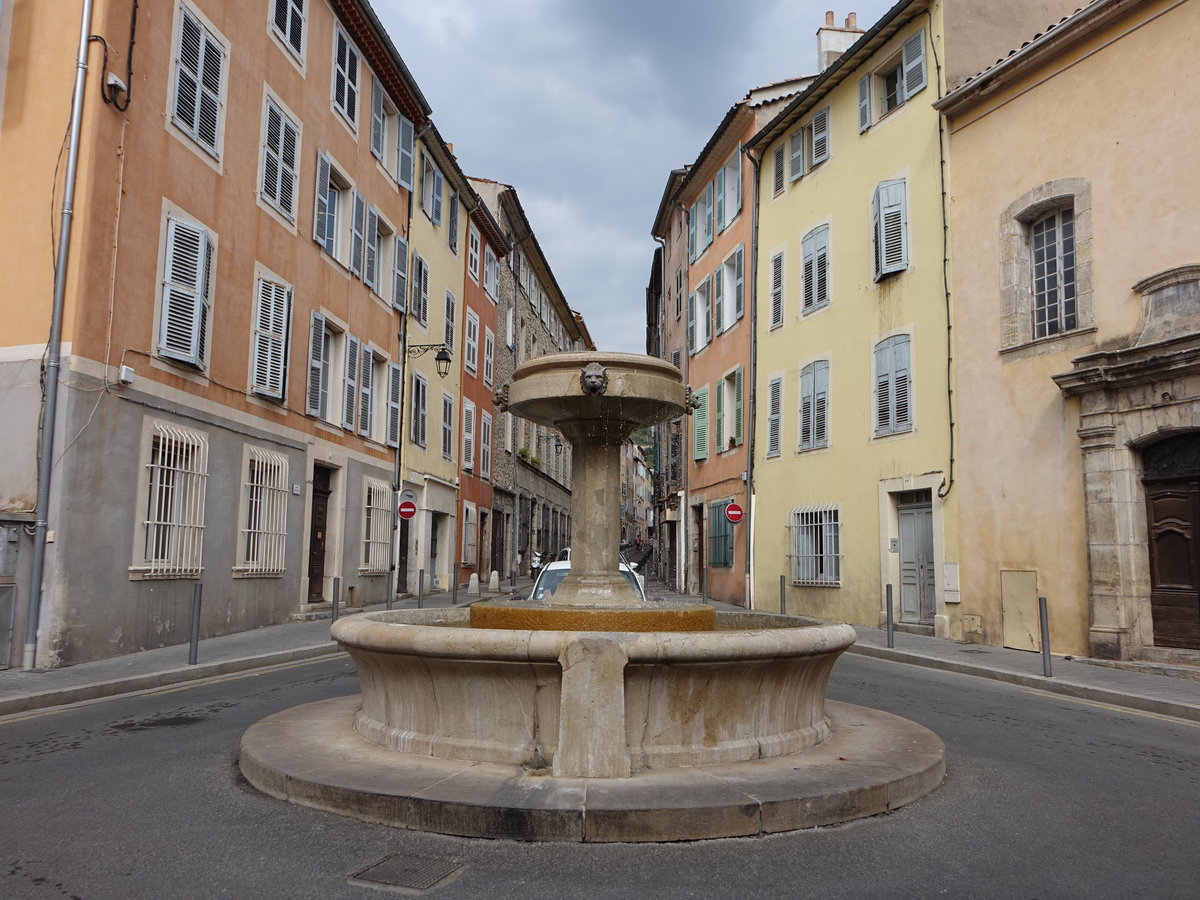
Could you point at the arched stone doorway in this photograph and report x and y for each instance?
(1171, 476)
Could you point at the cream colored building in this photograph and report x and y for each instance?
(1077, 336)
(853, 480)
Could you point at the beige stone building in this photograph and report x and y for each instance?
(1077, 335)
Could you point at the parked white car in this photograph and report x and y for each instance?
(553, 574)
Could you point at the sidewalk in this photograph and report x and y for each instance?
(25, 691)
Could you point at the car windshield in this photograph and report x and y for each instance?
(550, 579)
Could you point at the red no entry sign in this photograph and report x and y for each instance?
(407, 509)
(734, 513)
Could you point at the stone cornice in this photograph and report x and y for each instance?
(1127, 368)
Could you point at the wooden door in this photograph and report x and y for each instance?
(317, 533)
(1173, 507)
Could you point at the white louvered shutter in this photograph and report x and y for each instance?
(913, 56)
(774, 398)
(185, 292)
(321, 203)
(395, 382)
(271, 322)
(806, 408)
(692, 233)
(371, 261)
(720, 199)
(820, 136)
(708, 214)
(316, 357)
(821, 265)
(719, 415)
(404, 153)
(468, 457)
(864, 103)
(377, 120)
(718, 283)
(400, 273)
(820, 434)
(796, 153)
(808, 266)
(350, 383)
(776, 290)
(438, 185)
(777, 169)
(902, 417)
(738, 195)
(691, 323)
(891, 250)
(358, 228)
(366, 390)
(198, 77)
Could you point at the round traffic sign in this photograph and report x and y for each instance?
(734, 513)
(407, 509)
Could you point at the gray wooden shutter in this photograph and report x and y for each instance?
(371, 264)
(739, 284)
(876, 234)
(395, 382)
(864, 103)
(316, 357)
(350, 385)
(902, 418)
(198, 78)
(692, 233)
(691, 323)
(321, 204)
(438, 184)
(820, 136)
(708, 214)
(892, 385)
(417, 426)
(739, 184)
(452, 223)
(377, 121)
(796, 154)
(184, 299)
(423, 309)
(358, 227)
(366, 390)
(468, 453)
(404, 152)
(808, 265)
(820, 436)
(777, 290)
(774, 392)
(806, 408)
(719, 299)
(738, 432)
(913, 56)
(821, 265)
(719, 403)
(892, 250)
(721, 199)
(399, 273)
(271, 319)
(777, 169)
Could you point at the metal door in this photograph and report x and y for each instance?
(917, 583)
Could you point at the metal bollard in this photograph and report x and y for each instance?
(1045, 636)
(420, 588)
(782, 596)
(512, 578)
(337, 596)
(891, 622)
(194, 650)
(454, 587)
(391, 586)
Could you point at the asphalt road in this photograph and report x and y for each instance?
(1045, 797)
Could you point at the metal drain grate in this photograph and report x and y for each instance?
(416, 873)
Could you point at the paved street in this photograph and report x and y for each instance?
(1046, 796)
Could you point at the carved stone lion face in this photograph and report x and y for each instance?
(593, 379)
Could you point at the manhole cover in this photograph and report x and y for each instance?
(416, 873)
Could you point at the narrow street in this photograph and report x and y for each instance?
(1046, 796)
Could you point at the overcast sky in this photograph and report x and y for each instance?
(585, 106)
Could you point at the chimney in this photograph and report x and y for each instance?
(832, 41)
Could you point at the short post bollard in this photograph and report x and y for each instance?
(337, 597)
(420, 588)
(194, 650)
(1045, 619)
(391, 586)
(512, 578)
(454, 587)
(782, 596)
(891, 622)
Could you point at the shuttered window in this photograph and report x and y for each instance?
(317, 392)
(405, 151)
(489, 355)
(199, 83)
(720, 531)
(814, 405)
(400, 273)
(796, 153)
(709, 199)
(468, 452)
(417, 410)
(287, 18)
(345, 77)
(420, 289)
(378, 119)
(729, 190)
(366, 392)
(450, 322)
(864, 103)
(281, 148)
(473, 252)
(395, 377)
(491, 274)
(471, 344)
(819, 132)
(893, 386)
(890, 219)
(777, 290)
(774, 413)
(184, 313)
(777, 170)
(272, 321)
(452, 224)
(358, 234)
(485, 445)
(913, 63)
(350, 383)
(700, 425)
(815, 248)
(447, 426)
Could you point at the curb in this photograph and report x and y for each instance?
(1050, 685)
(133, 683)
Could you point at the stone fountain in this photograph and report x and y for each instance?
(592, 715)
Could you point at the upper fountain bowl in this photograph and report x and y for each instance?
(610, 392)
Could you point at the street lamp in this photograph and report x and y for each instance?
(442, 360)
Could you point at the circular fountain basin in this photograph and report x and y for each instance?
(656, 615)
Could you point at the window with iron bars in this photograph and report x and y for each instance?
(264, 521)
(377, 527)
(814, 546)
(177, 474)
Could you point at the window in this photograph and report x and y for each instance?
(777, 290)
(1052, 240)
(700, 223)
(796, 154)
(700, 425)
(450, 323)
(452, 224)
(432, 189)
(468, 451)
(198, 105)
(177, 473)
(491, 274)
(729, 190)
(729, 290)
(371, 370)
(395, 381)
(345, 77)
(471, 344)
(371, 242)
(818, 132)
(485, 445)
(897, 80)
(510, 329)
(336, 207)
(814, 405)
(287, 18)
(473, 253)
(890, 219)
(447, 426)
(377, 527)
(417, 410)
(728, 419)
(272, 323)
(704, 323)
(815, 252)
(709, 200)
(281, 150)
(470, 529)
(777, 170)
(320, 368)
(774, 412)
(405, 151)
(720, 536)
(893, 386)
(489, 355)
(814, 546)
(420, 289)
(185, 308)
(264, 513)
